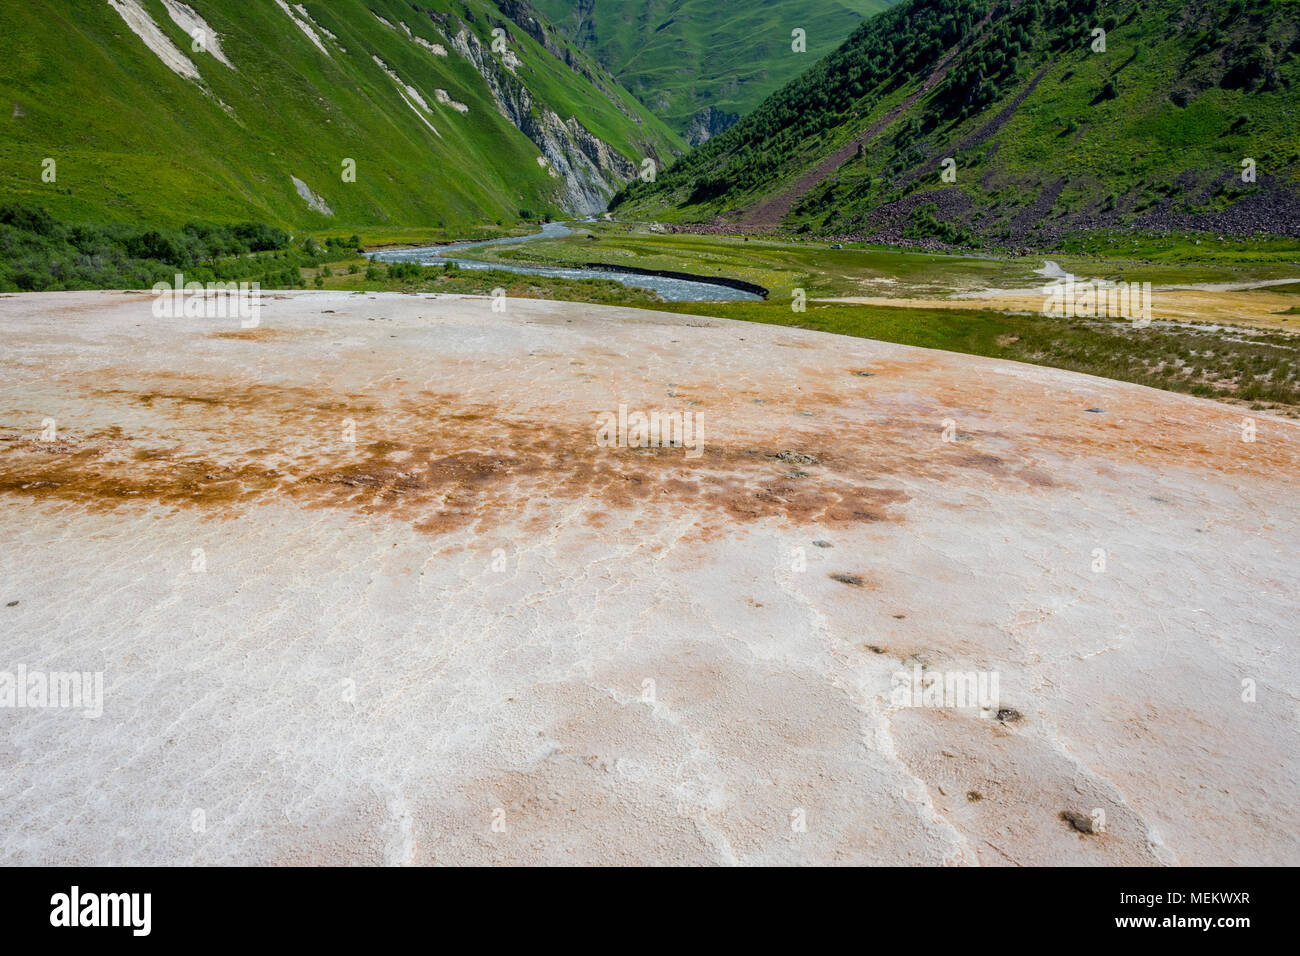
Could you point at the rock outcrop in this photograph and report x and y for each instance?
(590, 168)
(708, 123)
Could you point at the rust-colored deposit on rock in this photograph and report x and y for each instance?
(417, 457)
(376, 556)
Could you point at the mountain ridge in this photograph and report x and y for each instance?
(141, 121)
(702, 64)
(1042, 133)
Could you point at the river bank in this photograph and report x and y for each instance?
(669, 285)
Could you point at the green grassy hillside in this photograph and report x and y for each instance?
(443, 131)
(1048, 134)
(683, 57)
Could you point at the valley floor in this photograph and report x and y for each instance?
(1224, 322)
(1254, 308)
(365, 587)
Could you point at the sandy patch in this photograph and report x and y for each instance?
(445, 99)
(185, 17)
(1253, 308)
(409, 94)
(303, 24)
(143, 26)
(306, 15)
(310, 197)
(437, 49)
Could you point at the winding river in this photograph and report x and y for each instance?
(673, 288)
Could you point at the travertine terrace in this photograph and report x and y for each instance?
(474, 635)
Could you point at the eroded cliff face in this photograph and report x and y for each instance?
(708, 123)
(590, 169)
(525, 17)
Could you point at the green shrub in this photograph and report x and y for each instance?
(405, 270)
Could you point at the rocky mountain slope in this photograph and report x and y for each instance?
(352, 112)
(1017, 121)
(702, 64)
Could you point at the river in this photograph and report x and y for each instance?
(671, 288)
